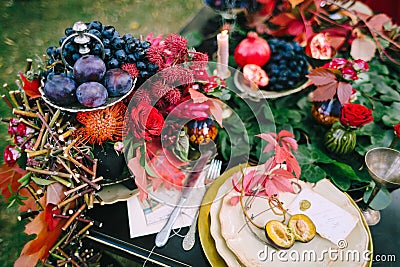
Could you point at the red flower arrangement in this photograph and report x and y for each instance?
(355, 115)
(157, 143)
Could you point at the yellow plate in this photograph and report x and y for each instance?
(206, 239)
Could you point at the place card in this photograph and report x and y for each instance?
(150, 215)
(331, 221)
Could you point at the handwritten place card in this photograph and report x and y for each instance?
(331, 221)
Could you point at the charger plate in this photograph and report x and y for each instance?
(209, 244)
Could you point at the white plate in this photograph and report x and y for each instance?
(248, 248)
(215, 226)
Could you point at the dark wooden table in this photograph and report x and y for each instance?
(114, 236)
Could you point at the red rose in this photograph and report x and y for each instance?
(11, 154)
(355, 115)
(397, 130)
(146, 121)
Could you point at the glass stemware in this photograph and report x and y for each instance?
(383, 165)
(228, 9)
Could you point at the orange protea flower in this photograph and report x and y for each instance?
(102, 125)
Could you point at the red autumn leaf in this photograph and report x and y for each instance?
(197, 96)
(293, 166)
(38, 248)
(282, 19)
(10, 176)
(165, 170)
(216, 109)
(376, 22)
(295, 27)
(48, 216)
(321, 76)
(31, 88)
(55, 193)
(325, 92)
(344, 91)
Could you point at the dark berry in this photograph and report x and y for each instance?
(96, 33)
(130, 58)
(112, 63)
(118, 43)
(141, 65)
(69, 31)
(95, 25)
(107, 53)
(120, 55)
(108, 32)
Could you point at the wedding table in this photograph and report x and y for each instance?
(114, 237)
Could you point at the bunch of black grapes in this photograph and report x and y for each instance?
(287, 66)
(117, 49)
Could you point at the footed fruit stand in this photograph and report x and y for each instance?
(264, 133)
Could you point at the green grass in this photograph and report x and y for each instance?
(29, 27)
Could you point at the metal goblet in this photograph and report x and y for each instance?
(383, 165)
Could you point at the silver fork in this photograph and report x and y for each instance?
(213, 172)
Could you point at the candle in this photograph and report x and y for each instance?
(223, 55)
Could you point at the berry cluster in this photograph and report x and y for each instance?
(118, 50)
(287, 65)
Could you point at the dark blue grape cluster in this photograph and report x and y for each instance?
(117, 49)
(287, 66)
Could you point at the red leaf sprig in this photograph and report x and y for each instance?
(334, 79)
(275, 175)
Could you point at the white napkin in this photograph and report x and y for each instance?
(149, 216)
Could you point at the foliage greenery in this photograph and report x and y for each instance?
(378, 89)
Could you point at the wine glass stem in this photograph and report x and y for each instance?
(372, 196)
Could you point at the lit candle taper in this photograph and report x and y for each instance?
(223, 54)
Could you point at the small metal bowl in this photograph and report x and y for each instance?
(384, 166)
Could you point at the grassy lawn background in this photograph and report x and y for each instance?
(29, 27)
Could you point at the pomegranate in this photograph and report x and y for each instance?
(319, 47)
(255, 76)
(252, 50)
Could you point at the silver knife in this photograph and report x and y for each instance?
(163, 235)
